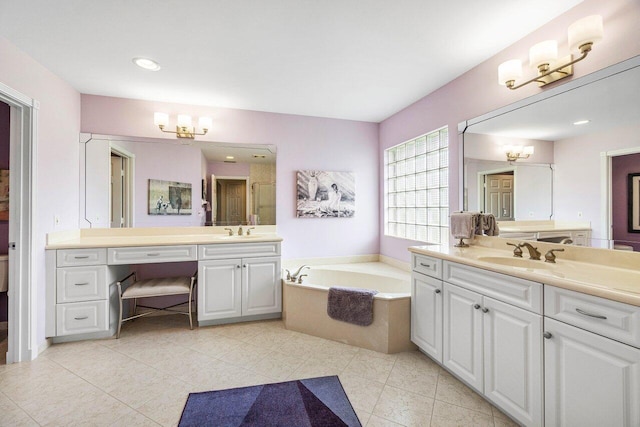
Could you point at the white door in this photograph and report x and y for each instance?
(261, 286)
(462, 339)
(219, 289)
(426, 314)
(513, 360)
(214, 200)
(499, 196)
(589, 380)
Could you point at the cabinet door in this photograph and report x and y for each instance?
(513, 360)
(219, 289)
(590, 380)
(462, 339)
(261, 286)
(426, 314)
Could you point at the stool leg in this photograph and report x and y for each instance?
(120, 316)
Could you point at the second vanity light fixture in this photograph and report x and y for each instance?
(515, 152)
(544, 56)
(184, 128)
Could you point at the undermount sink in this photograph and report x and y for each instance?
(243, 237)
(517, 262)
(534, 266)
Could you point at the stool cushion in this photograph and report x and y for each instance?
(158, 287)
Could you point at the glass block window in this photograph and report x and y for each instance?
(416, 188)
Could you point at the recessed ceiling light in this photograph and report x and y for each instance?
(581, 122)
(147, 64)
(230, 157)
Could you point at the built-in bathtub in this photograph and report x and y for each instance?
(305, 305)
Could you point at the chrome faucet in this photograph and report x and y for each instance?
(566, 241)
(230, 231)
(249, 230)
(240, 231)
(533, 252)
(294, 276)
(300, 278)
(517, 252)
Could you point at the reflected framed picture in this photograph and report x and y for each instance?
(169, 198)
(633, 186)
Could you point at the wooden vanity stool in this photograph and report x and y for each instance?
(155, 288)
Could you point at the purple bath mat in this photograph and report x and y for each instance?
(314, 402)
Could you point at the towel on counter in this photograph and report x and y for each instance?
(489, 225)
(463, 224)
(351, 305)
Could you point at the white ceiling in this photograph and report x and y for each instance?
(349, 59)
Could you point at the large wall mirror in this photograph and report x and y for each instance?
(207, 183)
(585, 136)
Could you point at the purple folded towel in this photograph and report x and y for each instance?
(351, 305)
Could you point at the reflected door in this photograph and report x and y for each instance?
(117, 192)
(498, 196)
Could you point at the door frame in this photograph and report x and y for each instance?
(606, 172)
(481, 185)
(129, 165)
(23, 279)
(248, 206)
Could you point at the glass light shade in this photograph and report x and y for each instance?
(160, 119)
(508, 148)
(544, 52)
(205, 122)
(585, 30)
(528, 150)
(184, 120)
(517, 149)
(509, 70)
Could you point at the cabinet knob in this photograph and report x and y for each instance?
(238, 266)
(476, 306)
(547, 335)
(244, 265)
(485, 310)
(437, 291)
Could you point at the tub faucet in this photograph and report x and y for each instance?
(300, 278)
(294, 276)
(533, 252)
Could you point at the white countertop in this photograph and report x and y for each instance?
(542, 226)
(122, 237)
(605, 273)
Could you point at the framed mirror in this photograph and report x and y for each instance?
(585, 139)
(207, 183)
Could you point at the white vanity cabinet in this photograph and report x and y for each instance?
(426, 305)
(590, 378)
(486, 328)
(231, 287)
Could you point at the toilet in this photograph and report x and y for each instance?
(4, 273)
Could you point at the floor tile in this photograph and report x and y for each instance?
(448, 415)
(451, 390)
(363, 393)
(12, 415)
(404, 407)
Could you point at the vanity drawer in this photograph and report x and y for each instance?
(238, 250)
(79, 257)
(74, 284)
(512, 290)
(152, 254)
(612, 319)
(427, 265)
(82, 317)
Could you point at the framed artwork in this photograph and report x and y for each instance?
(169, 198)
(4, 194)
(633, 186)
(322, 194)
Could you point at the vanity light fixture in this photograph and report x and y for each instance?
(184, 128)
(515, 152)
(544, 56)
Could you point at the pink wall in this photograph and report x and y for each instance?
(167, 162)
(228, 169)
(477, 92)
(621, 167)
(56, 161)
(5, 117)
(302, 143)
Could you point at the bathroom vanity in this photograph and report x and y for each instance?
(578, 232)
(550, 344)
(238, 276)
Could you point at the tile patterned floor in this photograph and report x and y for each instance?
(144, 378)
